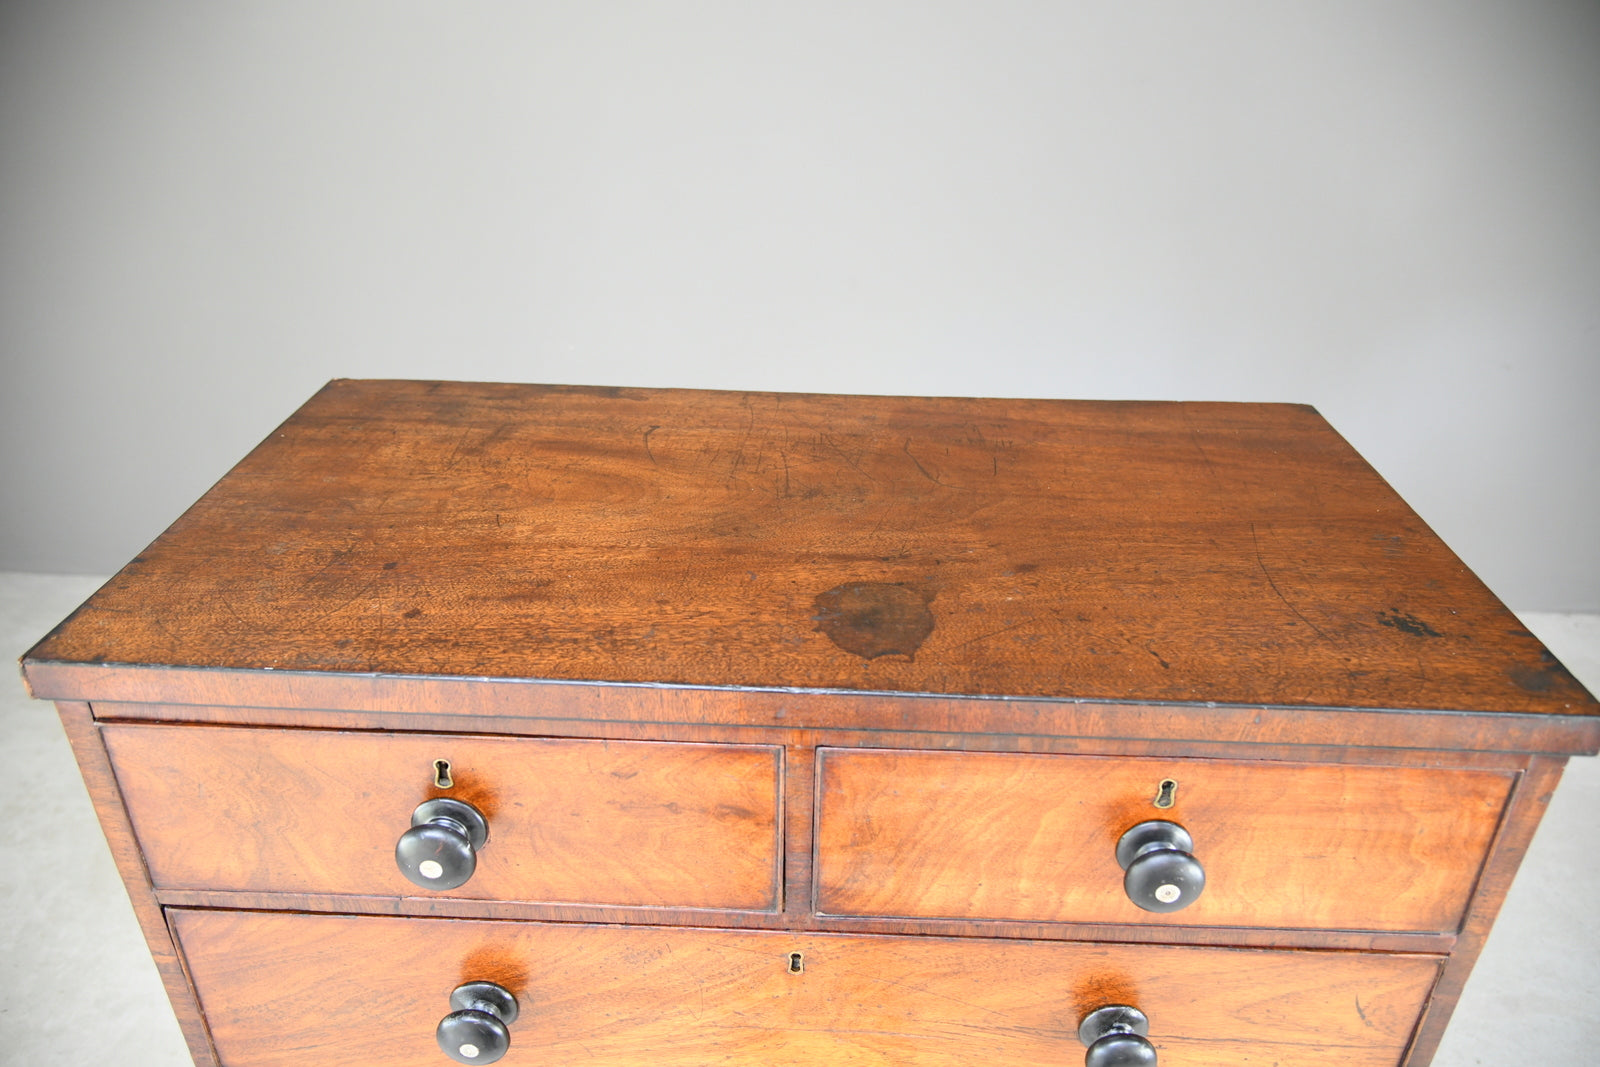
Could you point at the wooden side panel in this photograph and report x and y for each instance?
(1025, 837)
(1522, 819)
(597, 822)
(335, 991)
(102, 785)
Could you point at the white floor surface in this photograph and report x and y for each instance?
(77, 987)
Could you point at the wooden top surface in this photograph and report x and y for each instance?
(1154, 552)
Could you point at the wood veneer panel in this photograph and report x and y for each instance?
(793, 918)
(1240, 553)
(291, 991)
(799, 775)
(592, 822)
(1027, 837)
(624, 730)
(899, 722)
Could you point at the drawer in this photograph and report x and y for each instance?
(570, 821)
(336, 991)
(1033, 837)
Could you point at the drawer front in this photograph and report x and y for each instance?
(335, 991)
(1032, 837)
(596, 822)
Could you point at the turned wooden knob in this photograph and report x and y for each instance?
(440, 851)
(1162, 873)
(476, 1031)
(1115, 1035)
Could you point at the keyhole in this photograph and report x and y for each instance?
(441, 774)
(797, 963)
(1166, 793)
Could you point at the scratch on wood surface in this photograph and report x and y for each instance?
(924, 471)
(744, 441)
(851, 461)
(648, 431)
(227, 602)
(1263, 565)
(1194, 438)
(992, 633)
(365, 588)
(455, 453)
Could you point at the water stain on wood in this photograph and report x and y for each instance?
(1541, 679)
(1406, 623)
(872, 619)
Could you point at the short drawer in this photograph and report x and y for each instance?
(334, 991)
(1009, 836)
(570, 821)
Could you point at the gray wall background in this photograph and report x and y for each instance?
(1389, 210)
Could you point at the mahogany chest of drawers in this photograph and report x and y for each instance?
(602, 726)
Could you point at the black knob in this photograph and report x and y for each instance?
(440, 851)
(476, 1031)
(1161, 875)
(1115, 1036)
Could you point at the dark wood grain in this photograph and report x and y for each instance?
(1026, 837)
(588, 822)
(1233, 553)
(291, 991)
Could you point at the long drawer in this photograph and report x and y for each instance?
(597, 822)
(1034, 837)
(285, 990)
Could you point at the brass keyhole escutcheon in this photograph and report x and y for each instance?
(797, 963)
(441, 775)
(1166, 793)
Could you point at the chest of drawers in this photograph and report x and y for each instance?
(589, 726)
